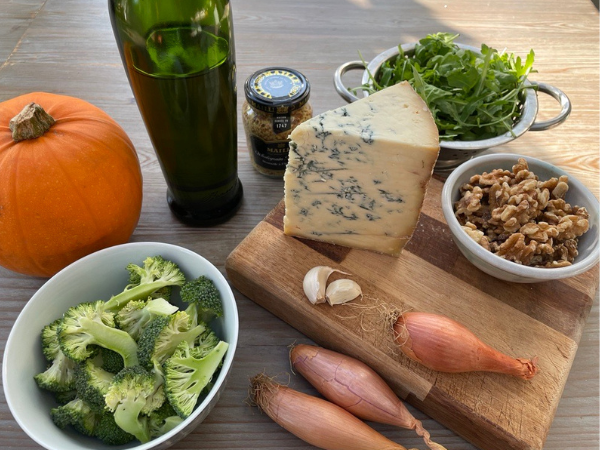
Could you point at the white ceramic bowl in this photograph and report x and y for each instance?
(98, 276)
(499, 267)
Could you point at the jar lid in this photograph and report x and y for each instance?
(277, 90)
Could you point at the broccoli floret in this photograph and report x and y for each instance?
(204, 295)
(63, 398)
(76, 413)
(136, 314)
(88, 324)
(205, 343)
(110, 433)
(163, 420)
(164, 293)
(156, 274)
(92, 384)
(131, 396)
(161, 337)
(187, 374)
(59, 376)
(147, 274)
(111, 361)
(135, 278)
(50, 345)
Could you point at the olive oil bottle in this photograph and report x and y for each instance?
(180, 60)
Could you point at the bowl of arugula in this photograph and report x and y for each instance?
(479, 98)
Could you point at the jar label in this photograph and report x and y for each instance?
(281, 123)
(270, 155)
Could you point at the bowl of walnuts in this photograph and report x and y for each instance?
(521, 219)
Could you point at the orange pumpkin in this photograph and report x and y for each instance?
(70, 187)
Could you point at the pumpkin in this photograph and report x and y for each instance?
(70, 182)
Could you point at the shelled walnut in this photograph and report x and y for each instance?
(520, 218)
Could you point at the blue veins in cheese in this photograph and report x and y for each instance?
(357, 175)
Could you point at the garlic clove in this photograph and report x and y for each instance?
(315, 282)
(342, 291)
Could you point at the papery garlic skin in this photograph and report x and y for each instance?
(342, 291)
(315, 282)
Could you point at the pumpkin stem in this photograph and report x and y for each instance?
(31, 123)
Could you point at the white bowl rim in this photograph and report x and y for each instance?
(538, 273)
(227, 362)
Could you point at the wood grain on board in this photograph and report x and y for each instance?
(493, 411)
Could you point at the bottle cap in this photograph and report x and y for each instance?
(277, 90)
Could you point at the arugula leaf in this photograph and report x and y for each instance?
(471, 96)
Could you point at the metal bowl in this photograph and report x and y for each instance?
(454, 153)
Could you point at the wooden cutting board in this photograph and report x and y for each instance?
(493, 411)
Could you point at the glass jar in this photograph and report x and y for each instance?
(276, 103)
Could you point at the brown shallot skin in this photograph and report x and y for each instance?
(442, 344)
(356, 387)
(314, 420)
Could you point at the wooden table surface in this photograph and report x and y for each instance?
(67, 47)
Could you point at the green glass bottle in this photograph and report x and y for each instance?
(180, 60)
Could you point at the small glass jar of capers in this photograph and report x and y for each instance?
(276, 103)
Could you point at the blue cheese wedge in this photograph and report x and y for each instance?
(357, 175)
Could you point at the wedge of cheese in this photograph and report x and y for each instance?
(357, 175)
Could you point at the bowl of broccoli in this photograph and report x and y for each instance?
(130, 346)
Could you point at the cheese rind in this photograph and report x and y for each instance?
(357, 175)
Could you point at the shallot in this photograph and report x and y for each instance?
(356, 387)
(442, 344)
(314, 420)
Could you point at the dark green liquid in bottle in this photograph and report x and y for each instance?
(183, 79)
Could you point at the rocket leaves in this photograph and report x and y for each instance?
(471, 96)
